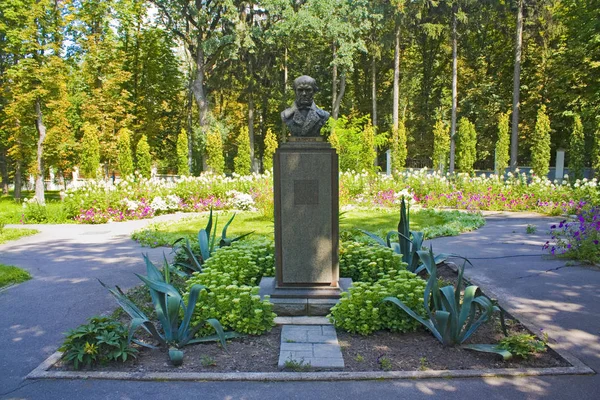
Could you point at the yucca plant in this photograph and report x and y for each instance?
(206, 243)
(169, 306)
(406, 246)
(451, 320)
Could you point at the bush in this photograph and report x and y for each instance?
(503, 144)
(466, 145)
(580, 239)
(360, 310)
(124, 158)
(242, 164)
(232, 274)
(270, 145)
(182, 153)
(365, 263)
(523, 345)
(214, 152)
(101, 340)
(144, 159)
(441, 146)
(540, 147)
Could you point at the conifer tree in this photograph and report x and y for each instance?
(242, 162)
(502, 144)
(124, 158)
(596, 158)
(214, 151)
(367, 159)
(183, 167)
(466, 145)
(144, 159)
(540, 146)
(270, 145)
(441, 145)
(576, 149)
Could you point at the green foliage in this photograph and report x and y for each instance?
(540, 144)
(99, 341)
(596, 155)
(231, 275)
(502, 144)
(523, 345)
(124, 158)
(452, 316)
(90, 151)
(296, 366)
(466, 143)
(270, 145)
(214, 151)
(360, 310)
(10, 275)
(441, 145)
(183, 168)
(366, 263)
(173, 314)
(399, 149)
(143, 157)
(354, 139)
(576, 150)
(192, 261)
(242, 164)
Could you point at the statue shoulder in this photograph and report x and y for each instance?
(322, 113)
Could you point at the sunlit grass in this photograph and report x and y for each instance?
(8, 234)
(12, 211)
(10, 275)
(433, 223)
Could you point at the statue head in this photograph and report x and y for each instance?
(305, 88)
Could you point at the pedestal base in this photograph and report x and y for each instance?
(305, 301)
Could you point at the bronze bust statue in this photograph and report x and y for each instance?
(304, 118)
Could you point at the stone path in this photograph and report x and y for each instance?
(310, 345)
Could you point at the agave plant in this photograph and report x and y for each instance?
(206, 242)
(451, 320)
(168, 303)
(406, 246)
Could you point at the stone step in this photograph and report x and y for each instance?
(314, 346)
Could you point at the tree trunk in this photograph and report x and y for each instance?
(18, 183)
(284, 99)
(4, 172)
(334, 83)
(396, 96)
(338, 99)
(514, 140)
(374, 99)
(200, 94)
(454, 90)
(251, 126)
(39, 173)
(189, 128)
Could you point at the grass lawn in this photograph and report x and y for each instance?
(10, 275)
(434, 223)
(12, 211)
(8, 234)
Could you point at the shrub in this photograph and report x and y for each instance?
(466, 145)
(270, 145)
(596, 156)
(99, 341)
(360, 310)
(522, 345)
(124, 158)
(183, 167)
(232, 274)
(365, 263)
(441, 145)
(242, 163)
(577, 149)
(144, 159)
(503, 144)
(579, 239)
(540, 146)
(214, 152)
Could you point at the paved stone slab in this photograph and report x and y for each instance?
(314, 345)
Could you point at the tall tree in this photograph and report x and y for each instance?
(514, 139)
(540, 148)
(502, 145)
(466, 145)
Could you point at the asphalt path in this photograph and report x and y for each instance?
(67, 260)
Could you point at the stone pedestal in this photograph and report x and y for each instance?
(306, 190)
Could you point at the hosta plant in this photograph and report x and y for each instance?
(176, 332)
(450, 317)
(101, 340)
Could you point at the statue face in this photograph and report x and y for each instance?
(304, 95)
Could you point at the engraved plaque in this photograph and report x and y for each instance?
(306, 192)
